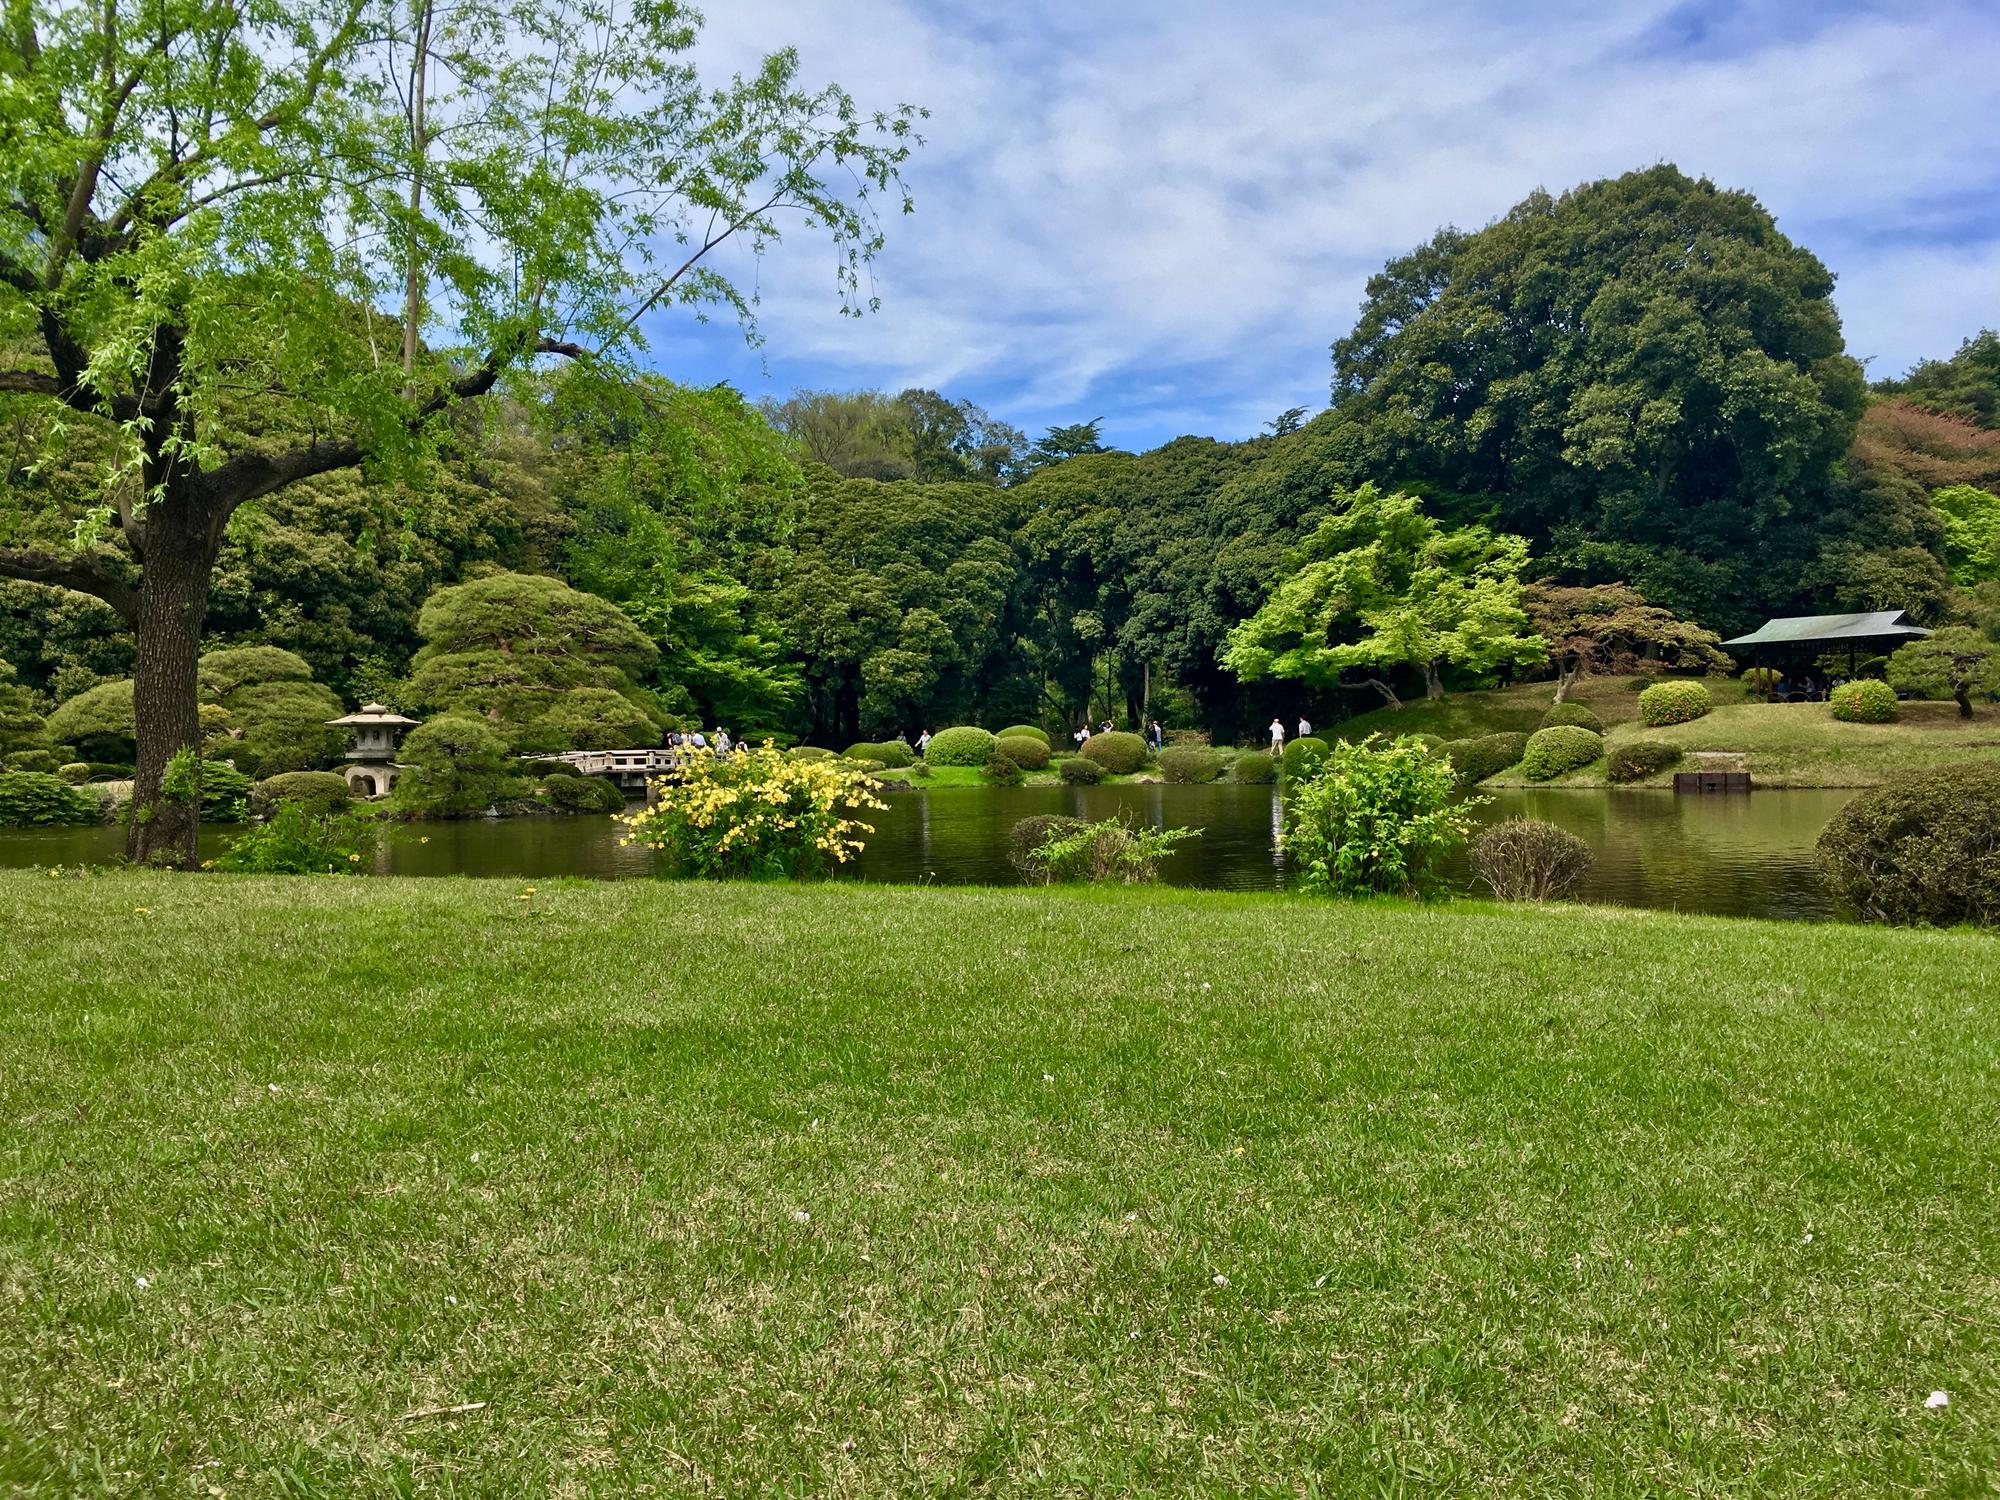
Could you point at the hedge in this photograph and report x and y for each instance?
(1635, 760)
(1563, 748)
(1921, 849)
(1865, 702)
(1032, 731)
(1190, 764)
(1080, 770)
(1679, 700)
(1484, 755)
(964, 745)
(321, 793)
(1118, 751)
(1027, 752)
(1572, 713)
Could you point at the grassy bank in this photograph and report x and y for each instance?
(690, 1189)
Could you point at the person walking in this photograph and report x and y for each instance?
(1158, 736)
(1277, 736)
(1082, 734)
(924, 741)
(1304, 728)
(721, 740)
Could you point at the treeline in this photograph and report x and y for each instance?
(1639, 384)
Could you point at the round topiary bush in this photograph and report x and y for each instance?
(1572, 713)
(1922, 849)
(883, 752)
(321, 793)
(1252, 769)
(1027, 752)
(1635, 760)
(1080, 770)
(809, 752)
(1679, 700)
(583, 794)
(1526, 859)
(1564, 748)
(1025, 839)
(1302, 756)
(1118, 751)
(1475, 759)
(1000, 770)
(865, 766)
(75, 772)
(1032, 731)
(1865, 702)
(965, 745)
(1190, 764)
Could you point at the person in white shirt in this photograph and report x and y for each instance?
(1277, 736)
(1304, 728)
(923, 742)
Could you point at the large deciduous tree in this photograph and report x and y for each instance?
(1609, 627)
(244, 245)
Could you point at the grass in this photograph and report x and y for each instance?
(1507, 710)
(850, 1191)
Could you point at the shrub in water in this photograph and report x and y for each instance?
(1026, 838)
(1118, 849)
(1635, 760)
(1572, 713)
(1027, 752)
(1302, 756)
(1032, 731)
(1191, 764)
(35, 799)
(583, 794)
(1552, 752)
(1679, 700)
(1080, 770)
(1375, 819)
(1253, 769)
(964, 745)
(1118, 751)
(761, 814)
(1921, 849)
(1000, 770)
(1526, 859)
(298, 841)
(1864, 702)
(321, 793)
(1475, 759)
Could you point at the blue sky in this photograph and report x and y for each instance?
(1164, 213)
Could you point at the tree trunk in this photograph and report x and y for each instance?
(173, 603)
(1563, 679)
(1389, 698)
(1963, 697)
(1433, 683)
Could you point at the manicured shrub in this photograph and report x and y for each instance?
(1000, 771)
(1118, 751)
(1572, 713)
(1678, 700)
(1193, 764)
(1552, 752)
(965, 745)
(43, 761)
(1080, 770)
(1375, 819)
(1526, 859)
(1922, 849)
(1475, 759)
(1027, 752)
(1302, 756)
(1253, 769)
(75, 772)
(1864, 702)
(456, 765)
(583, 794)
(548, 768)
(1026, 838)
(883, 752)
(36, 799)
(1758, 682)
(1635, 760)
(760, 815)
(1032, 731)
(809, 752)
(224, 790)
(321, 793)
(298, 841)
(1431, 742)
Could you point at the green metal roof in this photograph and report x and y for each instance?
(1816, 630)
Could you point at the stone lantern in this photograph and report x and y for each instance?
(371, 767)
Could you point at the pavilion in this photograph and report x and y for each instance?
(1788, 637)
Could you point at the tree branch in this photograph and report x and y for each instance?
(75, 397)
(71, 572)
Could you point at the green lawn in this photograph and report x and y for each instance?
(835, 1190)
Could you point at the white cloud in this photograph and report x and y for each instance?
(1166, 213)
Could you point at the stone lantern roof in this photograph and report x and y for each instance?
(374, 713)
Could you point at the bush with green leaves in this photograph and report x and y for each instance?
(1118, 850)
(866, 767)
(1026, 838)
(583, 794)
(1080, 770)
(1865, 702)
(1119, 751)
(298, 841)
(1027, 752)
(1922, 849)
(882, 752)
(98, 721)
(809, 752)
(455, 765)
(962, 745)
(1375, 818)
(321, 793)
(1577, 714)
(34, 760)
(1252, 768)
(1190, 764)
(36, 799)
(21, 724)
(222, 791)
(1302, 756)
(1758, 682)
(1526, 859)
(1032, 731)
(1635, 760)
(1678, 700)
(75, 772)
(1000, 771)
(1558, 751)
(1475, 759)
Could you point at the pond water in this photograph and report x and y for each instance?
(1735, 855)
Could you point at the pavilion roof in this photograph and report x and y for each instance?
(1819, 630)
(373, 713)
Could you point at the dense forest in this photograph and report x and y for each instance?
(1638, 383)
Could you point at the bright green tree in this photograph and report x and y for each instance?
(1378, 586)
(1971, 517)
(241, 246)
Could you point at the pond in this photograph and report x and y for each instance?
(1734, 855)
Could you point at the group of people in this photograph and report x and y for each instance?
(1156, 737)
(694, 739)
(1278, 733)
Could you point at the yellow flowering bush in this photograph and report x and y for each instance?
(754, 813)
